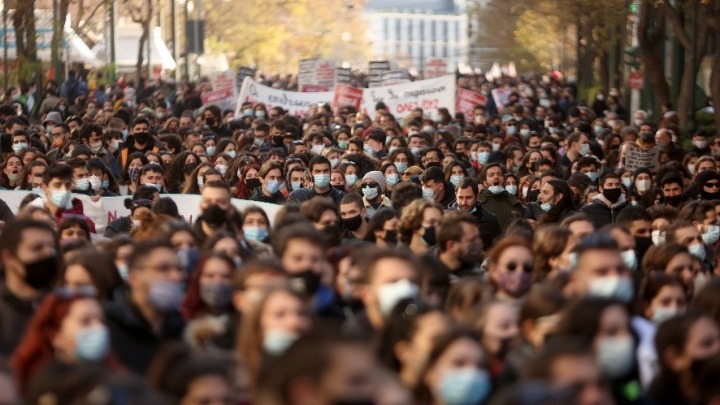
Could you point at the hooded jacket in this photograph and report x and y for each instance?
(602, 212)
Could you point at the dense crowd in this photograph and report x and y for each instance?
(543, 251)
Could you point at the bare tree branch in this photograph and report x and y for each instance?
(677, 26)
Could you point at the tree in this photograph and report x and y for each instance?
(651, 40)
(141, 12)
(58, 32)
(711, 9)
(694, 39)
(23, 20)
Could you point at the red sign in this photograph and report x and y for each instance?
(222, 98)
(466, 100)
(314, 88)
(347, 96)
(636, 80)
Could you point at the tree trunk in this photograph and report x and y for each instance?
(58, 34)
(715, 78)
(650, 44)
(145, 22)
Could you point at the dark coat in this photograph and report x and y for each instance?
(258, 195)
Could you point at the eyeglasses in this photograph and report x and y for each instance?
(526, 267)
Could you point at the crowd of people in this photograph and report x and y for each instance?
(521, 255)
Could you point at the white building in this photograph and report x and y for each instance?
(407, 32)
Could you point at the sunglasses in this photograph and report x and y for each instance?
(713, 185)
(526, 267)
(370, 185)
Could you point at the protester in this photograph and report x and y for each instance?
(530, 249)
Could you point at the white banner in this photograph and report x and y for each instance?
(401, 99)
(108, 209)
(296, 103)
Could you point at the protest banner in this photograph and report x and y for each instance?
(501, 96)
(435, 67)
(636, 157)
(347, 96)
(223, 80)
(225, 98)
(296, 103)
(375, 71)
(316, 75)
(394, 77)
(108, 209)
(343, 75)
(466, 100)
(401, 99)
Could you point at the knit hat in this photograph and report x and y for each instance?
(53, 116)
(377, 177)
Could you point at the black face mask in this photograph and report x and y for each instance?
(429, 236)
(210, 122)
(353, 223)
(332, 235)
(339, 187)
(532, 195)
(214, 216)
(188, 169)
(709, 196)
(42, 273)
(673, 200)
(253, 183)
(277, 140)
(306, 282)
(612, 194)
(391, 237)
(641, 246)
(141, 137)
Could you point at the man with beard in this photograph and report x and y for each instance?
(217, 212)
(459, 243)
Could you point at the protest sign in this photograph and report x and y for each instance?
(636, 157)
(343, 75)
(316, 75)
(296, 103)
(501, 96)
(394, 77)
(223, 80)
(347, 96)
(108, 209)
(466, 100)
(243, 72)
(375, 71)
(401, 99)
(225, 98)
(435, 67)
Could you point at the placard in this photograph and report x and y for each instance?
(466, 101)
(347, 96)
(225, 98)
(401, 99)
(435, 67)
(636, 157)
(394, 77)
(375, 71)
(295, 102)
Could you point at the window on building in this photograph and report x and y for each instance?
(410, 26)
(433, 31)
(398, 29)
(445, 31)
(421, 25)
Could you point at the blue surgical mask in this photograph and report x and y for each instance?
(105, 183)
(428, 193)
(350, 179)
(272, 186)
(511, 130)
(620, 288)
(661, 315)
(455, 179)
(496, 189)
(248, 112)
(60, 198)
(92, 343)
(259, 233)
(19, 147)
(525, 132)
(401, 167)
(585, 149)
(415, 150)
(342, 145)
(482, 157)
(370, 192)
(277, 341)
(627, 182)
(464, 386)
(232, 154)
(615, 355)
(296, 185)
(598, 128)
(321, 181)
(593, 176)
(165, 296)
(210, 150)
(546, 206)
(392, 179)
(697, 250)
(512, 189)
(630, 259)
(260, 114)
(712, 234)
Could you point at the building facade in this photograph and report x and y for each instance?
(407, 32)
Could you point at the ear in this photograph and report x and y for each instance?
(363, 213)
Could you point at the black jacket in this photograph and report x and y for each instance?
(133, 340)
(486, 222)
(119, 226)
(258, 195)
(15, 314)
(602, 213)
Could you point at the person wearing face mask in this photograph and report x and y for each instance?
(31, 264)
(208, 303)
(139, 140)
(373, 191)
(319, 167)
(494, 198)
(270, 176)
(700, 143)
(456, 371)
(70, 322)
(147, 315)
(91, 135)
(57, 186)
(708, 185)
(387, 277)
(353, 216)
(608, 204)
(672, 188)
(212, 116)
(80, 181)
(217, 213)
(578, 146)
(466, 201)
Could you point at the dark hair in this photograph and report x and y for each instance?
(377, 222)
(301, 231)
(144, 249)
(581, 319)
(101, 268)
(57, 171)
(674, 334)
(401, 325)
(11, 235)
